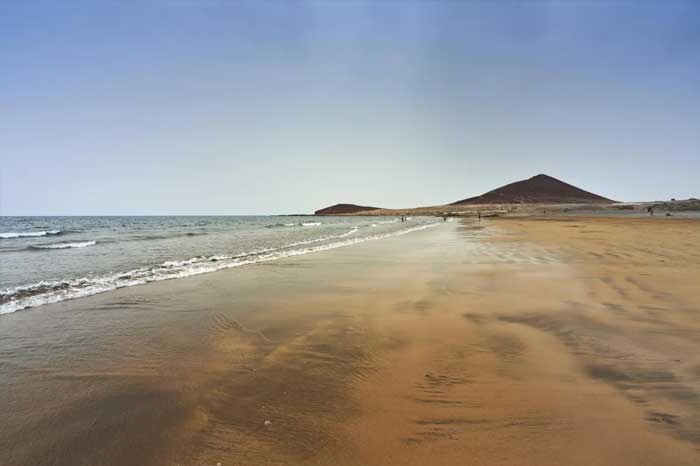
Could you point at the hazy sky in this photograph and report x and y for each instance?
(204, 107)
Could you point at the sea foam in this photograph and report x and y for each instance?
(77, 244)
(47, 292)
(27, 234)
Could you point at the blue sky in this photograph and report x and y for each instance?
(186, 107)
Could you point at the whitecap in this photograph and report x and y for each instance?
(77, 244)
(27, 234)
(322, 238)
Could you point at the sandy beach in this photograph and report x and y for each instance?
(528, 341)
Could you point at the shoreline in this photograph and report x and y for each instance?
(514, 341)
(621, 210)
(45, 292)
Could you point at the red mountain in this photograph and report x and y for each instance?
(540, 189)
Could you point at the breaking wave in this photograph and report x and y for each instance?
(27, 234)
(77, 244)
(277, 225)
(46, 292)
(323, 238)
(303, 224)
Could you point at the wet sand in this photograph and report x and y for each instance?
(511, 342)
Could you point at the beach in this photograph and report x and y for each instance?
(513, 341)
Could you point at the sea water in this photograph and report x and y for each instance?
(50, 259)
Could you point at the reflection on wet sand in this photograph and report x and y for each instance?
(507, 342)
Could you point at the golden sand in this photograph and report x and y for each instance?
(572, 341)
(539, 342)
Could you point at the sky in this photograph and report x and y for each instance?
(270, 107)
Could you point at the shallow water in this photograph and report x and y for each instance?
(50, 259)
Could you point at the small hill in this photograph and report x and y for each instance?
(342, 209)
(540, 189)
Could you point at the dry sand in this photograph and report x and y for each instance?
(527, 342)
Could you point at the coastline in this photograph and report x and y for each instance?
(680, 209)
(511, 341)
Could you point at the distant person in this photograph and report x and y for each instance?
(479, 215)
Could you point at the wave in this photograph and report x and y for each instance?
(322, 238)
(77, 244)
(27, 234)
(47, 292)
(303, 224)
(351, 232)
(151, 237)
(278, 225)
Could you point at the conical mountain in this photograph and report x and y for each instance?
(540, 189)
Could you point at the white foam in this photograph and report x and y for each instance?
(351, 232)
(11, 234)
(78, 244)
(34, 295)
(311, 224)
(321, 239)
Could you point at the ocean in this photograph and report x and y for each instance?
(50, 259)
